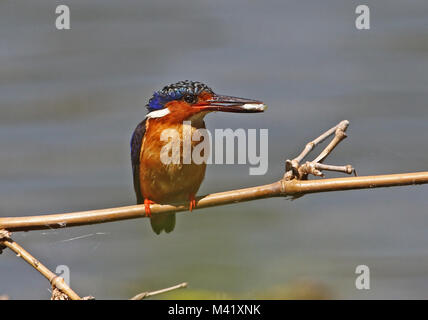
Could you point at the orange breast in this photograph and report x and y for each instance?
(166, 183)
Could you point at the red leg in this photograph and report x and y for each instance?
(147, 204)
(192, 200)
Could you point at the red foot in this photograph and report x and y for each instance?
(147, 204)
(192, 204)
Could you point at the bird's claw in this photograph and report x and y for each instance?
(147, 209)
(192, 203)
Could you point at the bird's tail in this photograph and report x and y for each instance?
(163, 221)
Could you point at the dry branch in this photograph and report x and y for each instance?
(295, 183)
(55, 281)
(277, 189)
(60, 289)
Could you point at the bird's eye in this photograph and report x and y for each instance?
(190, 98)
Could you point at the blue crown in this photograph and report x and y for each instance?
(175, 91)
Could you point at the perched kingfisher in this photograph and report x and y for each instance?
(156, 182)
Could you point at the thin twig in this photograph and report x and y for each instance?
(339, 135)
(344, 169)
(56, 281)
(311, 145)
(316, 169)
(145, 295)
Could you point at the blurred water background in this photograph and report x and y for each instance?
(69, 101)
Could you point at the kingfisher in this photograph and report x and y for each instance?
(173, 107)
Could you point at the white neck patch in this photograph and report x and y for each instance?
(158, 113)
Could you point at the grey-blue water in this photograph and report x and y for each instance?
(69, 101)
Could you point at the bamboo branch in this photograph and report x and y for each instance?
(294, 183)
(277, 189)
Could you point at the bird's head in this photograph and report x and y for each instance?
(185, 99)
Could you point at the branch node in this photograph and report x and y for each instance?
(58, 294)
(4, 235)
(309, 168)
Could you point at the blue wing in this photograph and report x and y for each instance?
(136, 143)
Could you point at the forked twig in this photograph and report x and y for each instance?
(311, 145)
(339, 135)
(293, 168)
